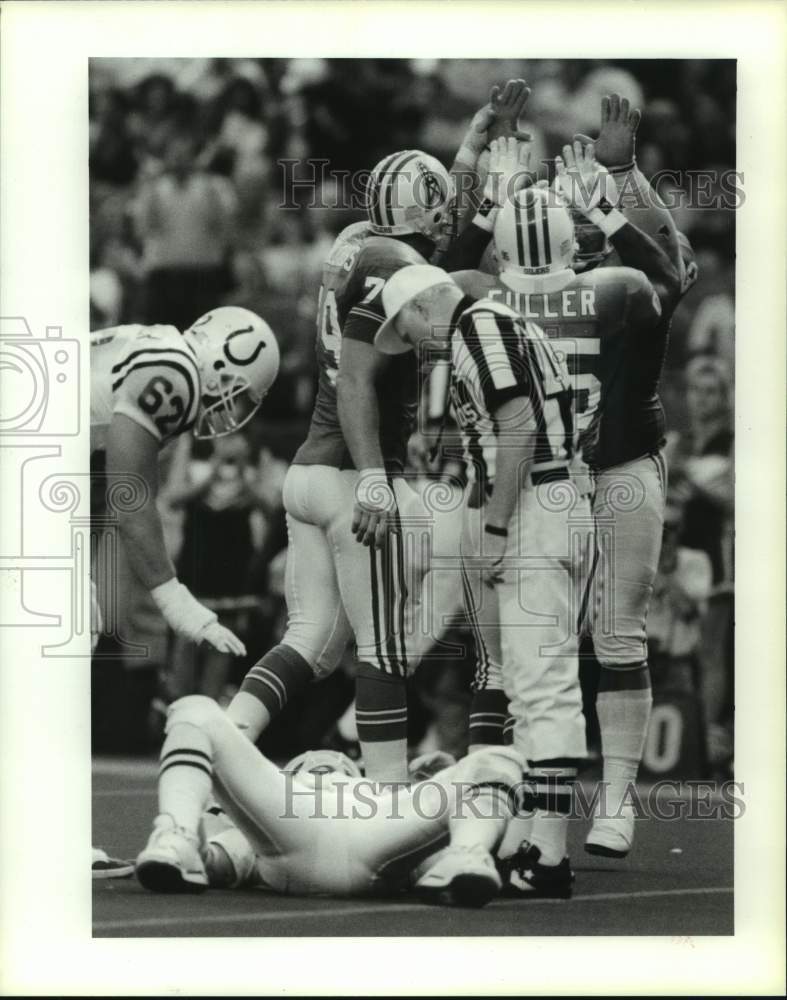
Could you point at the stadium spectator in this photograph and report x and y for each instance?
(184, 219)
(701, 469)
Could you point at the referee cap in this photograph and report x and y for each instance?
(400, 288)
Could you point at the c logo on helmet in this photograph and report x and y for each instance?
(242, 361)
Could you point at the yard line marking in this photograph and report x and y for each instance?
(123, 793)
(263, 915)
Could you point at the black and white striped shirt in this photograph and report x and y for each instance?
(497, 356)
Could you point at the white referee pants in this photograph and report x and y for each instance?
(528, 622)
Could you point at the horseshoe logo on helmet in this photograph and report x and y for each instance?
(242, 361)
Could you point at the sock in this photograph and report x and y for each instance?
(488, 711)
(381, 717)
(347, 726)
(550, 797)
(280, 675)
(623, 706)
(508, 731)
(185, 775)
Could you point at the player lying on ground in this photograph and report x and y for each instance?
(346, 494)
(148, 385)
(317, 833)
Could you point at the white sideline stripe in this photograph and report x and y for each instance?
(263, 915)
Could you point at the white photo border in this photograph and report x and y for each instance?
(45, 911)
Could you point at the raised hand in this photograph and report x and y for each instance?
(581, 180)
(509, 160)
(616, 141)
(508, 106)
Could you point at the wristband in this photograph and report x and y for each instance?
(608, 219)
(490, 529)
(623, 168)
(486, 216)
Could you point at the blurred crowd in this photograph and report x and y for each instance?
(190, 163)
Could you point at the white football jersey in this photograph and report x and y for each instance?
(147, 373)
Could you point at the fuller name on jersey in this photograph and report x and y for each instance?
(147, 373)
(601, 323)
(350, 307)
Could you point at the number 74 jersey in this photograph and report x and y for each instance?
(147, 373)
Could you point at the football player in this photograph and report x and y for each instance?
(346, 483)
(149, 384)
(629, 469)
(512, 400)
(615, 375)
(318, 827)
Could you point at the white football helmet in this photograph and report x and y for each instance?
(409, 192)
(534, 234)
(238, 358)
(323, 762)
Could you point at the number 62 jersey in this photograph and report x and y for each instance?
(147, 373)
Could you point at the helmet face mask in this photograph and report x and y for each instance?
(593, 245)
(230, 409)
(238, 358)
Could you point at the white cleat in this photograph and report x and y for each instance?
(461, 876)
(171, 860)
(612, 836)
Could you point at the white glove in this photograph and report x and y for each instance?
(185, 615)
(587, 187)
(509, 160)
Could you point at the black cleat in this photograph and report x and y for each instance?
(524, 876)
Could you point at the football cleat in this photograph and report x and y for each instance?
(526, 876)
(106, 867)
(612, 836)
(461, 876)
(171, 860)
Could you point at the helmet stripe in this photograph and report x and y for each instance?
(545, 230)
(374, 190)
(519, 226)
(391, 175)
(532, 232)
